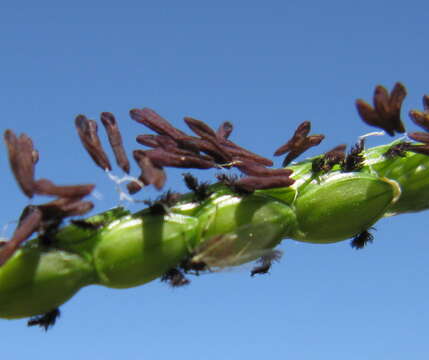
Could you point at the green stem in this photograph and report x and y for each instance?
(224, 230)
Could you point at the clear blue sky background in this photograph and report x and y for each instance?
(265, 66)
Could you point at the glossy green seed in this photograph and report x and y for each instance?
(139, 249)
(34, 282)
(342, 206)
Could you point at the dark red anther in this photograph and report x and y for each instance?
(154, 141)
(28, 224)
(133, 187)
(254, 169)
(148, 140)
(155, 122)
(47, 187)
(225, 149)
(87, 130)
(200, 128)
(419, 148)
(151, 174)
(22, 158)
(212, 148)
(299, 143)
(64, 207)
(420, 118)
(238, 152)
(225, 130)
(160, 158)
(115, 140)
(298, 137)
(386, 113)
(337, 154)
(419, 136)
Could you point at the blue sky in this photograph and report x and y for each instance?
(265, 66)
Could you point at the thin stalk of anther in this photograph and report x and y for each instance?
(87, 130)
(115, 140)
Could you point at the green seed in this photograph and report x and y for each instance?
(341, 206)
(139, 249)
(34, 282)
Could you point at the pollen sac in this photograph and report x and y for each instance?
(342, 206)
